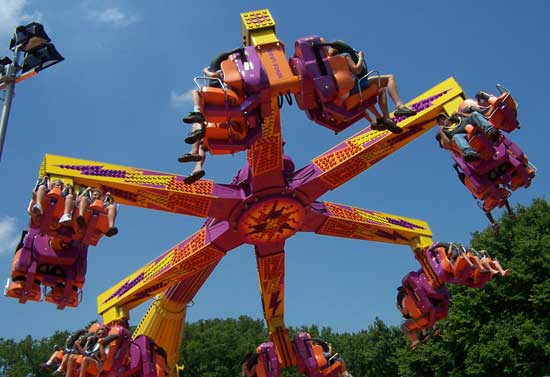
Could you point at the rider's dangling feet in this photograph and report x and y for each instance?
(382, 124)
(404, 111)
(194, 117)
(194, 176)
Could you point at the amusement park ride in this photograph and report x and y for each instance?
(267, 202)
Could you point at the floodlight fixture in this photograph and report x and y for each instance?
(41, 58)
(32, 32)
(4, 62)
(31, 42)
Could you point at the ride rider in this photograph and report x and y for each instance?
(454, 128)
(196, 119)
(356, 63)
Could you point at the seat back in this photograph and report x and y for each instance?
(63, 295)
(52, 210)
(229, 137)
(147, 355)
(231, 131)
(22, 285)
(439, 262)
(118, 340)
(232, 78)
(497, 198)
(342, 75)
(502, 113)
(306, 360)
(97, 224)
(268, 361)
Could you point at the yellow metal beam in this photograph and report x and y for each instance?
(140, 187)
(193, 256)
(368, 147)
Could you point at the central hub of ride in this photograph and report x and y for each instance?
(271, 220)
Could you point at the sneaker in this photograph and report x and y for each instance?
(111, 231)
(391, 126)
(378, 125)
(80, 221)
(404, 111)
(46, 366)
(193, 177)
(65, 219)
(37, 209)
(194, 117)
(470, 155)
(188, 157)
(493, 134)
(194, 136)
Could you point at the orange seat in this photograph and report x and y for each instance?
(494, 201)
(232, 77)
(319, 355)
(322, 362)
(52, 209)
(14, 273)
(117, 357)
(417, 323)
(57, 295)
(225, 102)
(93, 370)
(261, 368)
(342, 75)
(97, 205)
(357, 98)
(58, 356)
(411, 307)
(521, 177)
(219, 96)
(479, 195)
(226, 131)
(161, 367)
(17, 290)
(498, 117)
(460, 265)
(478, 275)
(97, 223)
(444, 260)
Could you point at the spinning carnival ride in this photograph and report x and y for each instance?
(267, 202)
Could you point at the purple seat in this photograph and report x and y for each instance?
(432, 302)
(142, 359)
(319, 89)
(117, 364)
(489, 179)
(255, 105)
(63, 270)
(312, 362)
(268, 361)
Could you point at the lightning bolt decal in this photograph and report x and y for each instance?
(274, 303)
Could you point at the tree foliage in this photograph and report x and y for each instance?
(501, 330)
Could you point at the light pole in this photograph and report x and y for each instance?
(38, 54)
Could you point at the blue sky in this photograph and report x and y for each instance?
(121, 92)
